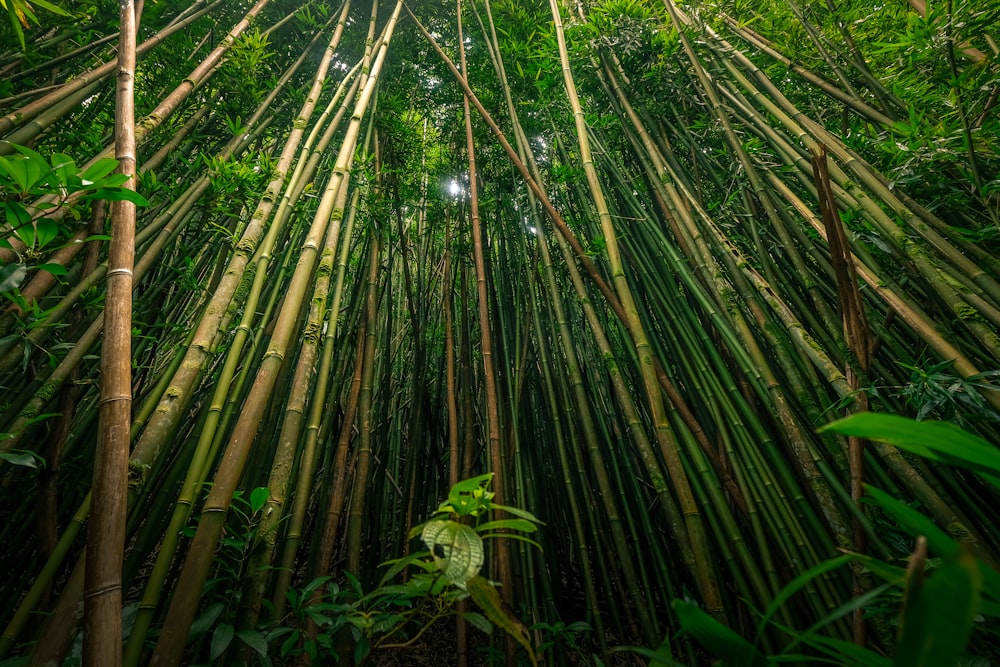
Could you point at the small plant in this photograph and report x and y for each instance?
(31, 189)
(224, 588)
(391, 615)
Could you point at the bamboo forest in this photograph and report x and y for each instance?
(500, 332)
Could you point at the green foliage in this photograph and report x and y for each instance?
(22, 14)
(934, 392)
(945, 600)
(391, 615)
(32, 188)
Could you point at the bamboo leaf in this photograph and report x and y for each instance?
(717, 638)
(938, 441)
(913, 522)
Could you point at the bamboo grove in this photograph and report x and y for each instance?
(627, 255)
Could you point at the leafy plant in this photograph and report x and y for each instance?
(944, 599)
(32, 188)
(936, 392)
(391, 615)
(223, 589)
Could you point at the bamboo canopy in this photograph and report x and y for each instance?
(627, 255)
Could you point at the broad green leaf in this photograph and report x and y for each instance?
(117, 194)
(258, 498)
(362, 649)
(512, 536)
(11, 276)
(99, 170)
(205, 620)
(735, 651)
(938, 614)
(517, 511)
(486, 596)
(17, 171)
(64, 167)
(54, 269)
(35, 166)
(46, 230)
(221, 639)
(24, 459)
(511, 524)
(479, 621)
(254, 639)
(312, 585)
(397, 565)
(938, 441)
(16, 215)
(457, 549)
(27, 235)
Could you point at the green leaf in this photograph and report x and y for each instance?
(117, 194)
(35, 166)
(889, 573)
(64, 167)
(512, 536)
(22, 458)
(98, 170)
(221, 639)
(399, 564)
(254, 639)
(457, 549)
(362, 649)
(717, 638)
(205, 620)
(937, 441)
(44, 4)
(510, 524)
(938, 614)
(479, 621)
(307, 591)
(46, 230)
(16, 214)
(11, 276)
(517, 511)
(258, 498)
(17, 171)
(54, 269)
(914, 523)
(27, 235)
(486, 596)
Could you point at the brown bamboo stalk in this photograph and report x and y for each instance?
(102, 595)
